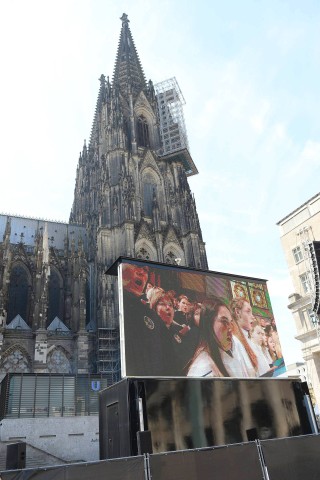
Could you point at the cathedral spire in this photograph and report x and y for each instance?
(128, 73)
(101, 95)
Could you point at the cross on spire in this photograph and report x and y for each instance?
(124, 19)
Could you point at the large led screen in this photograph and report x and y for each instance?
(177, 322)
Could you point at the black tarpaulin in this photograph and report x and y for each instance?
(119, 469)
(295, 458)
(232, 462)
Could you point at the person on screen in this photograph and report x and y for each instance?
(278, 361)
(243, 320)
(145, 335)
(196, 312)
(145, 296)
(271, 331)
(272, 348)
(265, 349)
(264, 322)
(218, 353)
(257, 337)
(183, 343)
(163, 304)
(183, 309)
(275, 337)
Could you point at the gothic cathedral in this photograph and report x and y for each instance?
(58, 309)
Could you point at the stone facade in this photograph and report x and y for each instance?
(298, 230)
(43, 298)
(129, 200)
(70, 439)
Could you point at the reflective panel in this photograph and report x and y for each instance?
(193, 413)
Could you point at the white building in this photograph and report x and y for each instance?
(298, 231)
(299, 370)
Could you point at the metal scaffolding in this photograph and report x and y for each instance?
(173, 132)
(170, 102)
(109, 353)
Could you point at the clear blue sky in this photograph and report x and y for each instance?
(249, 71)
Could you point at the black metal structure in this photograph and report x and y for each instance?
(314, 250)
(16, 456)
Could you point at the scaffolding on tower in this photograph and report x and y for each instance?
(108, 356)
(173, 132)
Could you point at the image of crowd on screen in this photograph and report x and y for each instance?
(214, 337)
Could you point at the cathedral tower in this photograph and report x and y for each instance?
(132, 193)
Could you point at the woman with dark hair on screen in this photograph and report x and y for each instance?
(218, 353)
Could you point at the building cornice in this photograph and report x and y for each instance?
(305, 336)
(300, 302)
(297, 209)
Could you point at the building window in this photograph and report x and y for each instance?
(297, 254)
(149, 191)
(143, 132)
(313, 317)
(55, 307)
(18, 293)
(305, 282)
(15, 362)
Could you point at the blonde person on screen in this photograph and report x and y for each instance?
(272, 348)
(257, 337)
(271, 331)
(265, 349)
(218, 352)
(243, 320)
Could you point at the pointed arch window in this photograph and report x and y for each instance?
(55, 297)
(149, 191)
(143, 132)
(15, 360)
(18, 293)
(58, 362)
